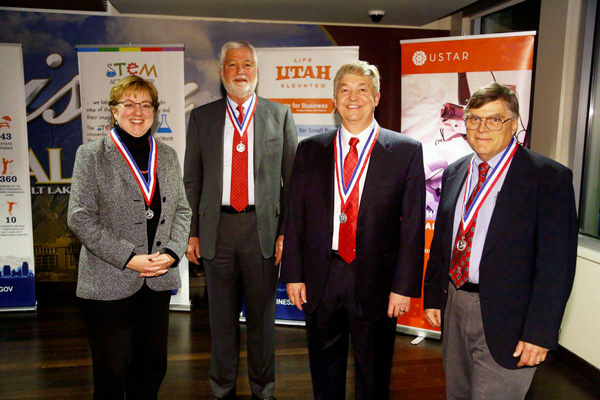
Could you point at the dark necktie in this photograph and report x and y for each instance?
(459, 264)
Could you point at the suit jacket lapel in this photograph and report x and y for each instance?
(162, 166)
(260, 127)
(513, 192)
(452, 191)
(216, 126)
(378, 163)
(327, 179)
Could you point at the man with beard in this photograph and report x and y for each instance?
(238, 163)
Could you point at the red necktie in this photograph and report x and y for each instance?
(239, 167)
(240, 109)
(347, 238)
(459, 264)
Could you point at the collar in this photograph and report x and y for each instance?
(246, 104)
(362, 136)
(493, 161)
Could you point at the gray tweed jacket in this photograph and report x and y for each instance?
(107, 213)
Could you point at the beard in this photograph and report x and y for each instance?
(240, 90)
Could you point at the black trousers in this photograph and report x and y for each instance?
(338, 318)
(128, 339)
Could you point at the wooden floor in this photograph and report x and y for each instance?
(45, 355)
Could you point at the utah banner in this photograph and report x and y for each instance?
(17, 281)
(302, 79)
(438, 77)
(101, 67)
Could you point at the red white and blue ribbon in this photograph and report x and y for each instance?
(243, 127)
(490, 181)
(146, 186)
(345, 188)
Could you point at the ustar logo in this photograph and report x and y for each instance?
(420, 57)
(131, 68)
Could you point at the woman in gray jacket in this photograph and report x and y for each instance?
(129, 209)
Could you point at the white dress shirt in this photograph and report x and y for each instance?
(227, 150)
(337, 203)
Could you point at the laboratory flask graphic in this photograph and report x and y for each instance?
(164, 125)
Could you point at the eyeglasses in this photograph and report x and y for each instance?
(492, 123)
(146, 106)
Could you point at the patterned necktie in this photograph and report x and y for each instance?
(240, 109)
(459, 264)
(239, 167)
(347, 238)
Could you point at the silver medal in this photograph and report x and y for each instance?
(461, 245)
(240, 147)
(343, 218)
(149, 214)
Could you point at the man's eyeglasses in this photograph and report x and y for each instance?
(146, 106)
(492, 123)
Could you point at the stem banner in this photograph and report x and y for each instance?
(101, 67)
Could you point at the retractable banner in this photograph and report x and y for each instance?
(101, 67)
(302, 79)
(438, 77)
(17, 280)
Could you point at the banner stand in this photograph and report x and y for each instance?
(101, 67)
(17, 275)
(438, 77)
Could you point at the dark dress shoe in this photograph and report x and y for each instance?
(266, 398)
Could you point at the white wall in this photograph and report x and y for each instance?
(580, 331)
(555, 128)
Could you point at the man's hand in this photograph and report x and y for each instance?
(193, 250)
(278, 249)
(531, 355)
(297, 294)
(398, 305)
(434, 316)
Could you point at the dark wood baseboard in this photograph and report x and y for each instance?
(587, 370)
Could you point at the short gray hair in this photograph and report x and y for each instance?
(236, 45)
(362, 68)
(492, 92)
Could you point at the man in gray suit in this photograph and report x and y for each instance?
(238, 163)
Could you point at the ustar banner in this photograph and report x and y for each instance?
(438, 77)
(17, 281)
(101, 67)
(302, 78)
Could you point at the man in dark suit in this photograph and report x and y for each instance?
(353, 252)
(238, 163)
(503, 255)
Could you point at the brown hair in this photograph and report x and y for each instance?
(132, 84)
(492, 92)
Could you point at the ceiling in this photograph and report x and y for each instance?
(398, 12)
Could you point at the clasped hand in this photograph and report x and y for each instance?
(151, 265)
